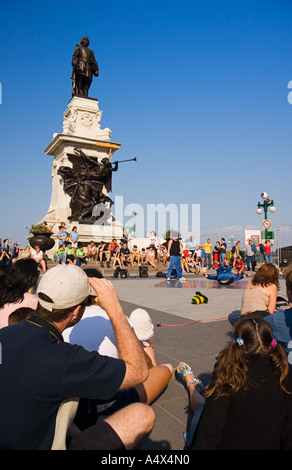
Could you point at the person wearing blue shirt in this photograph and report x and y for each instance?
(74, 237)
(224, 274)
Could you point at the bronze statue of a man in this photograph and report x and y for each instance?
(84, 67)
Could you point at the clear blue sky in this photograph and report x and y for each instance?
(196, 90)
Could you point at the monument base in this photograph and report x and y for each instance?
(81, 132)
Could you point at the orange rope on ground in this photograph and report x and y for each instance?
(195, 321)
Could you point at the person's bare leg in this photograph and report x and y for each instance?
(155, 383)
(132, 424)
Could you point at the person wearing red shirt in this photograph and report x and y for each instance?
(239, 265)
(268, 251)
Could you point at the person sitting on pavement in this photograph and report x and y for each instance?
(189, 265)
(23, 254)
(81, 256)
(135, 254)
(95, 333)
(60, 255)
(91, 251)
(281, 320)
(248, 403)
(38, 256)
(143, 256)
(113, 247)
(102, 252)
(117, 258)
(125, 256)
(260, 294)
(151, 257)
(17, 288)
(49, 371)
(70, 258)
(284, 265)
(162, 255)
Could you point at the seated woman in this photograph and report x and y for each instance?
(117, 258)
(143, 256)
(102, 252)
(91, 251)
(260, 294)
(162, 255)
(188, 264)
(37, 255)
(150, 257)
(247, 404)
(135, 254)
(23, 254)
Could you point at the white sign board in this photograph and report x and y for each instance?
(255, 235)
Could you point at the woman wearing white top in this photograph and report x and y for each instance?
(38, 256)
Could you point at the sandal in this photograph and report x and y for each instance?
(184, 369)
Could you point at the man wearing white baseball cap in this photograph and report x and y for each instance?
(42, 377)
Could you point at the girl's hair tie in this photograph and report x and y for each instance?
(240, 341)
(273, 343)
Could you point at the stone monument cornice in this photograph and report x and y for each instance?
(61, 140)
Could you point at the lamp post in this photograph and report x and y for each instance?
(267, 204)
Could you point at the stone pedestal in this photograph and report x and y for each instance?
(82, 131)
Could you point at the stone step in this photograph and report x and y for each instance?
(108, 272)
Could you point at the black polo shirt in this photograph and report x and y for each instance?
(38, 371)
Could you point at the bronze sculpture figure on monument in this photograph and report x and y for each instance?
(84, 183)
(84, 67)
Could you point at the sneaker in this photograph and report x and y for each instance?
(182, 279)
(168, 278)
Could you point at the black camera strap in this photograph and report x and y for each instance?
(50, 327)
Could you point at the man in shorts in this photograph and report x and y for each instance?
(42, 376)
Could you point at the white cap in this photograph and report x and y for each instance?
(142, 324)
(66, 285)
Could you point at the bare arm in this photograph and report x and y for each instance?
(129, 348)
(273, 299)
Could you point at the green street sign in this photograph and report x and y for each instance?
(268, 236)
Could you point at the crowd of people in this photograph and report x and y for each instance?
(78, 374)
(190, 257)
